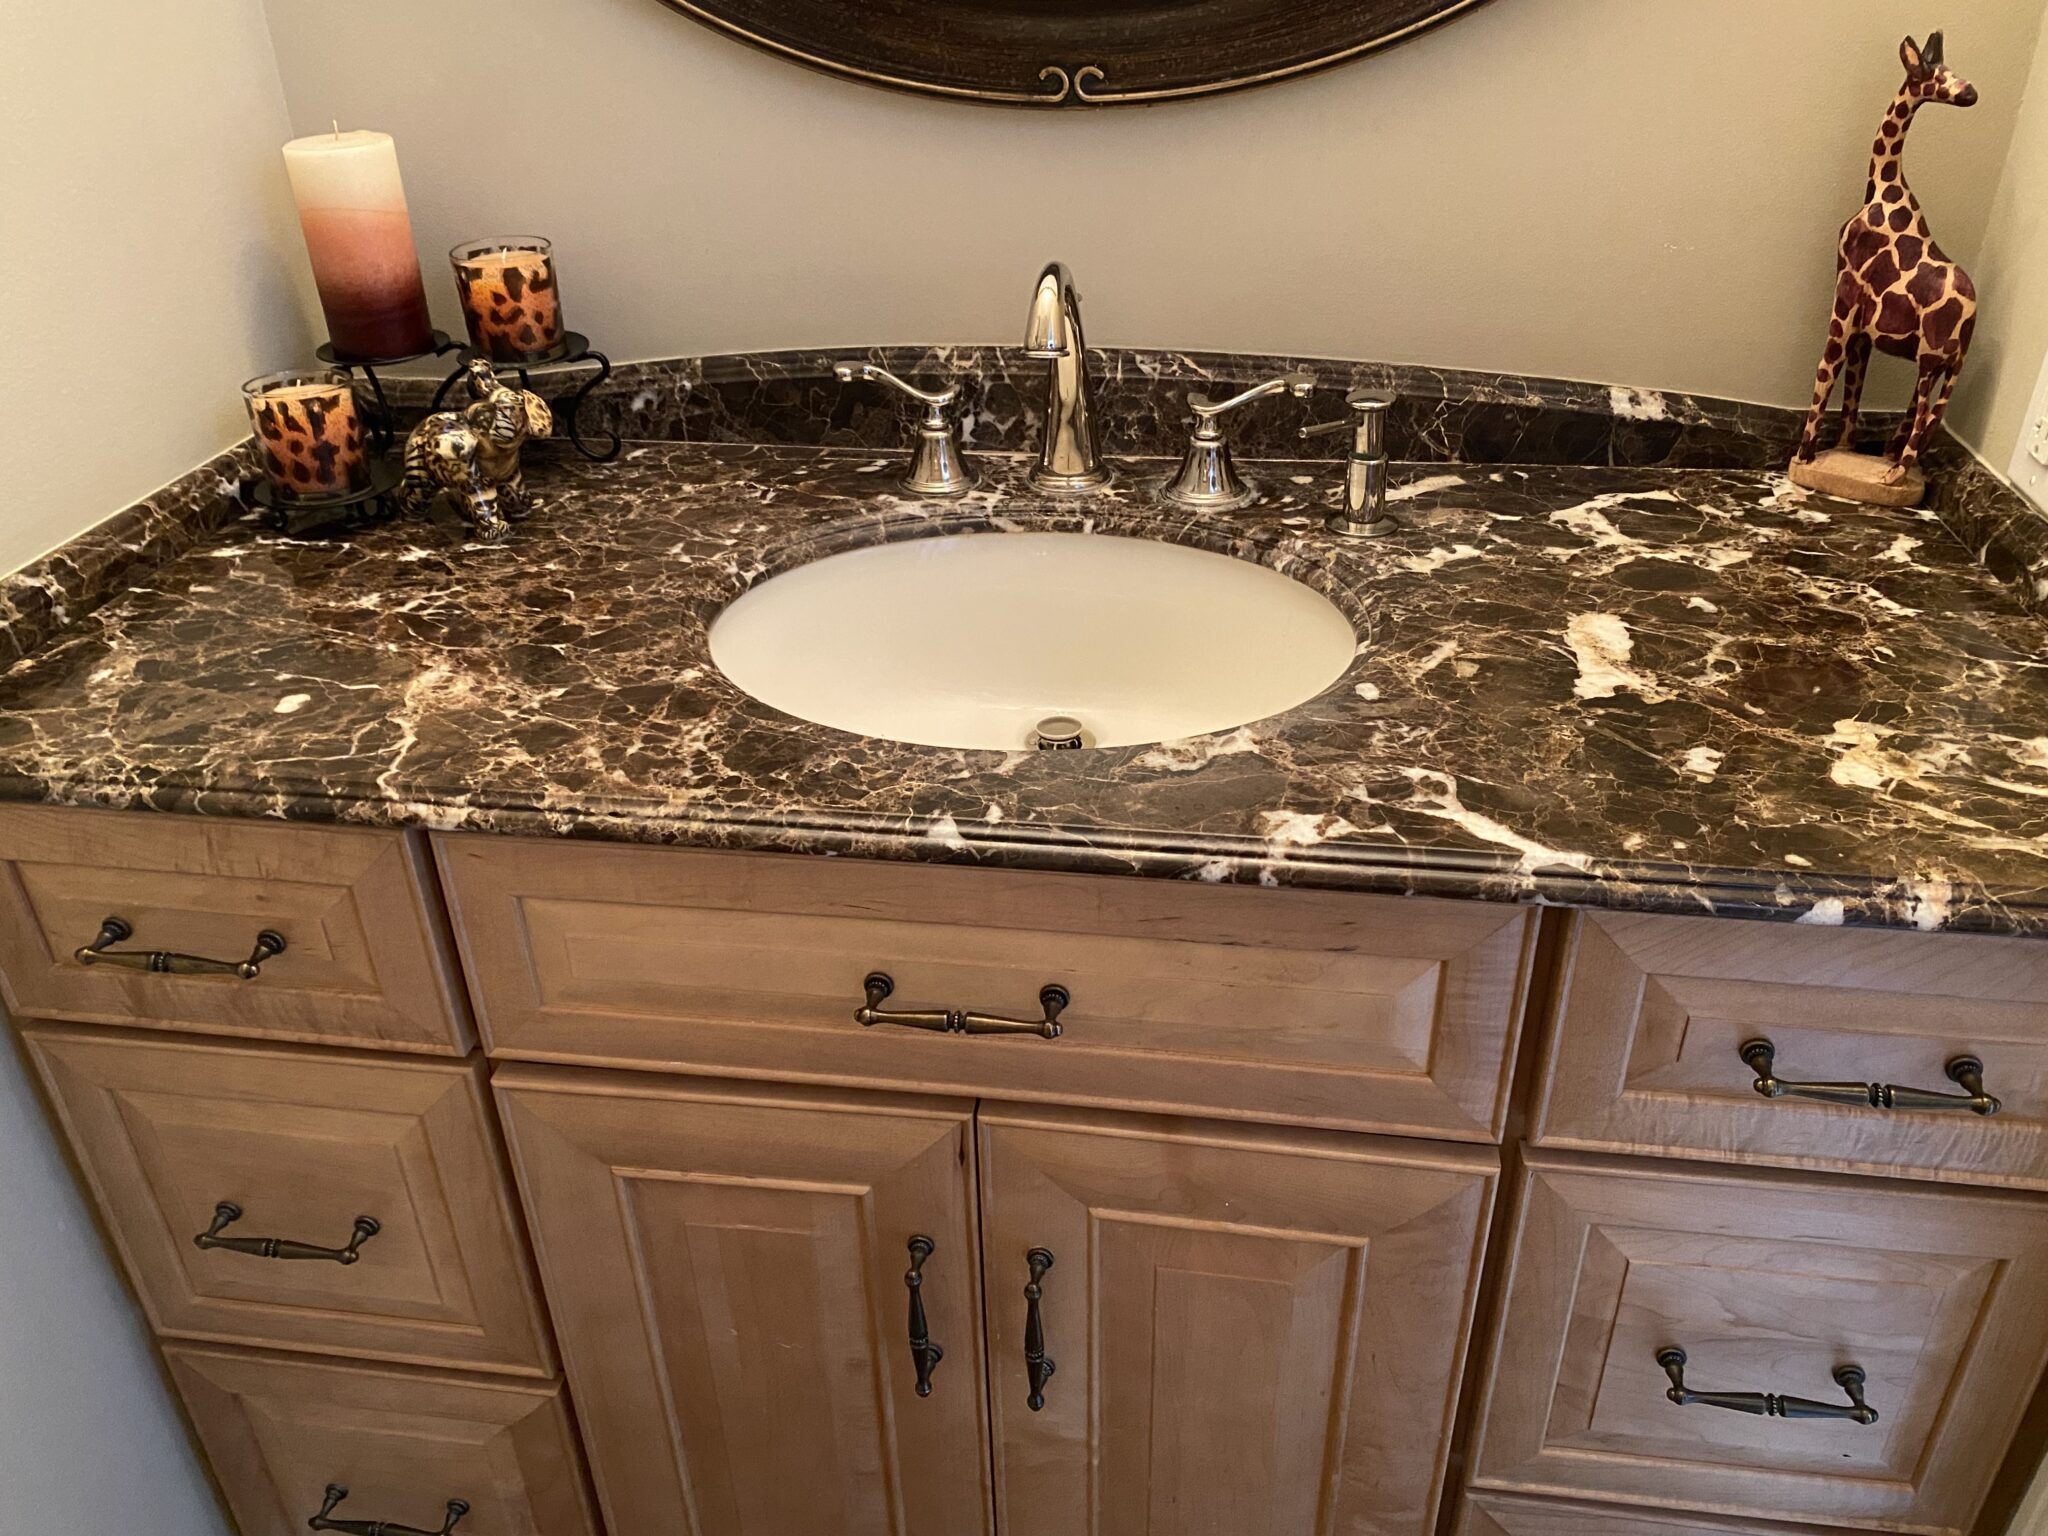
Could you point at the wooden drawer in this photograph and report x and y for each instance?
(1647, 1052)
(304, 1142)
(1505, 1514)
(1357, 1012)
(1770, 1282)
(279, 1431)
(362, 963)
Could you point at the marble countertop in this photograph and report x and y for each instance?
(1652, 688)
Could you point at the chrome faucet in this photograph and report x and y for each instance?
(1069, 461)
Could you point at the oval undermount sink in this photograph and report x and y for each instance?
(974, 640)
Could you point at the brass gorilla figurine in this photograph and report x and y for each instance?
(472, 455)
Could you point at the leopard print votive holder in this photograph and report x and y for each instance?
(309, 433)
(509, 298)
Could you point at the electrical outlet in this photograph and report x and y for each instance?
(2030, 459)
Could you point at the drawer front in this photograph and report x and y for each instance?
(279, 1433)
(1502, 1514)
(1647, 1055)
(1358, 1012)
(303, 1143)
(1769, 1283)
(362, 962)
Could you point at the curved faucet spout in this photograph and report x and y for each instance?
(1046, 328)
(1069, 461)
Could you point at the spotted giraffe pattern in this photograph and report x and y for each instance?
(1895, 290)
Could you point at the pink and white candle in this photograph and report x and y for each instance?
(359, 235)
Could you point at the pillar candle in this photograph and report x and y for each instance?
(352, 208)
(309, 433)
(509, 297)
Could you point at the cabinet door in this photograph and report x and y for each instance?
(727, 1270)
(1254, 1333)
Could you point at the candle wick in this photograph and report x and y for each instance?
(337, 126)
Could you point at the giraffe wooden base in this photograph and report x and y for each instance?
(1858, 477)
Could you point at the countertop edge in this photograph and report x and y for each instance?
(1812, 898)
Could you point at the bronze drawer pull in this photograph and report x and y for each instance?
(227, 1212)
(1770, 1404)
(923, 1351)
(457, 1508)
(1036, 1361)
(115, 930)
(1759, 1056)
(959, 1021)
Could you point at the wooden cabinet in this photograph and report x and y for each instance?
(727, 1272)
(1770, 1283)
(1254, 1333)
(363, 963)
(279, 1432)
(1360, 1012)
(1248, 1184)
(303, 1144)
(1647, 1052)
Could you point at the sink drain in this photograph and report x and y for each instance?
(1057, 733)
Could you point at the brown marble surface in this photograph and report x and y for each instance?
(1666, 689)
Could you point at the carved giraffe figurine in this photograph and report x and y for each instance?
(1895, 289)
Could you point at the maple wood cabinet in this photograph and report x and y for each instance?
(1256, 1333)
(1234, 1331)
(532, 1188)
(726, 1269)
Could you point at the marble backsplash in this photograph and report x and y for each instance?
(792, 398)
(1441, 415)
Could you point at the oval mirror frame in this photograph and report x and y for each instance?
(1070, 53)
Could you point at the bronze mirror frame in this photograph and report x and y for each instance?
(1070, 53)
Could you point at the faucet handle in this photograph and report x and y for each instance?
(849, 372)
(1298, 384)
(1207, 481)
(939, 466)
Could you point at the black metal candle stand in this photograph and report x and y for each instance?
(301, 517)
(382, 423)
(573, 351)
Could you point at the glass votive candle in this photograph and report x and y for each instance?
(309, 432)
(509, 297)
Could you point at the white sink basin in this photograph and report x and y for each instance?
(972, 640)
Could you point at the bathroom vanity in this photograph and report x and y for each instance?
(1542, 1083)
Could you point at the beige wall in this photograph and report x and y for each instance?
(149, 246)
(139, 254)
(1641, 191)
(2012, 273)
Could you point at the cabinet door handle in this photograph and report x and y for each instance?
(1968, 1071)
(1770, 1404)
(227, 1213)
(960, 1021)
(115, 930)
(457, 1508)
(1036, 1360)
(923, 1352)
